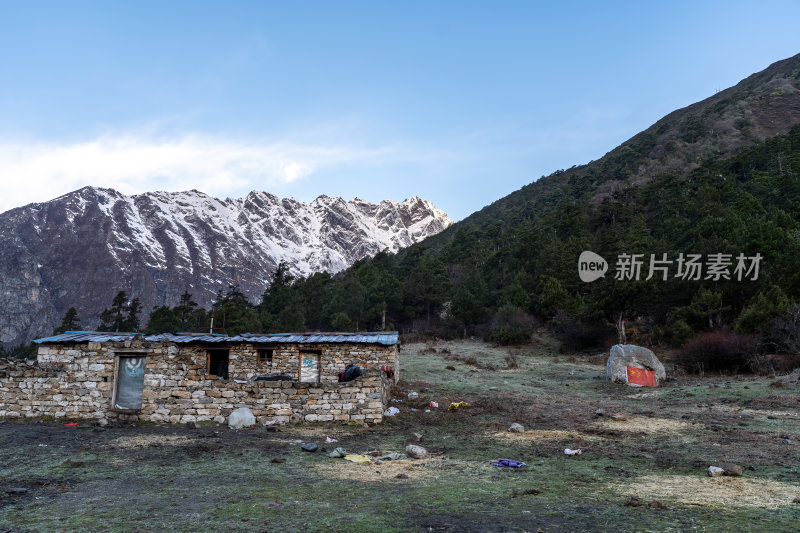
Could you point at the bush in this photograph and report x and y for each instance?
(512, 360)
(783, 333)
(576, 336)
(719, 351)
(681, 331)
(512, 325)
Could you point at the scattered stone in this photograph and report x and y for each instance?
(337, 453)
(600, 412)
(796, 500)
(412, 395)
(309, 446)
(416, 452)
(625, 355)
(393, 456)
(450, 367)
(241, 418)
(715, 471)
(374, 453)
(568, 451)
(418, 437)
(633, 501)
(17, 491)
(731, 469)
(619, 417)
(516, 428)
(401, 476)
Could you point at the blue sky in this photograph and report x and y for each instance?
(458, 102)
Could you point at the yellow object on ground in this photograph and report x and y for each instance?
(360, 459)
(454, 406)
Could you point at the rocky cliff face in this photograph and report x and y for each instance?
(81, 248)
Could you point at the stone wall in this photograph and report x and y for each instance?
(77, 381)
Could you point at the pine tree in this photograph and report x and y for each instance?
(70, 322)
(113, 319)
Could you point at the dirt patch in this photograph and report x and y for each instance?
(148, 441)
(386, 471)
(642, 424)
(543, 435)
(723, 491)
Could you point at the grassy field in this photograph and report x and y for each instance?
(642, 467)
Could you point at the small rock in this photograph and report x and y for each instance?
(418, 437)
(416, 452)
(412, 395)
(600, 412)
(450, 367)
(633, 501)
(731, 469)
(401, 476)
(241, 418)
(568, 451)
(374, 453)
(516, 428)
(796, 500)
(619, 417)
(17, 490)
(309, 447)
(715, 471)
(277, 460)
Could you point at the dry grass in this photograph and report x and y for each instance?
(713, 492)
(543, 435)
(642, 424)
(147, 441)
(386, 471)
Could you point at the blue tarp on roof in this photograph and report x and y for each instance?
(387, 338)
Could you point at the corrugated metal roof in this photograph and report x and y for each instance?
(387, 338)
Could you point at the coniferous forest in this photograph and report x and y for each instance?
(502, 273)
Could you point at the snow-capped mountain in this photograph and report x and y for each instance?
(81, 248)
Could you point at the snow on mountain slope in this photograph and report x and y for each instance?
(81, 248)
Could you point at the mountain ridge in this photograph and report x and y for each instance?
(80, 248)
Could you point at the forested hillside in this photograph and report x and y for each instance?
(719, 177)
(713, 178)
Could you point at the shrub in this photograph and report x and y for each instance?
(783, 332)
(719, 351)
(512, 325)
(761, 309)
(575, 335)
(512, 359)
(681, 331)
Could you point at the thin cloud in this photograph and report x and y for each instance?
(36, 172)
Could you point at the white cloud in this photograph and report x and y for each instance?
(39, 171)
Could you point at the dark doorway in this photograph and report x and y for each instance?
(218, 363)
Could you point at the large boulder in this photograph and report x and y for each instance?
(625, 355)
(241, 418)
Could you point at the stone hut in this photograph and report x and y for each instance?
(183, 378)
